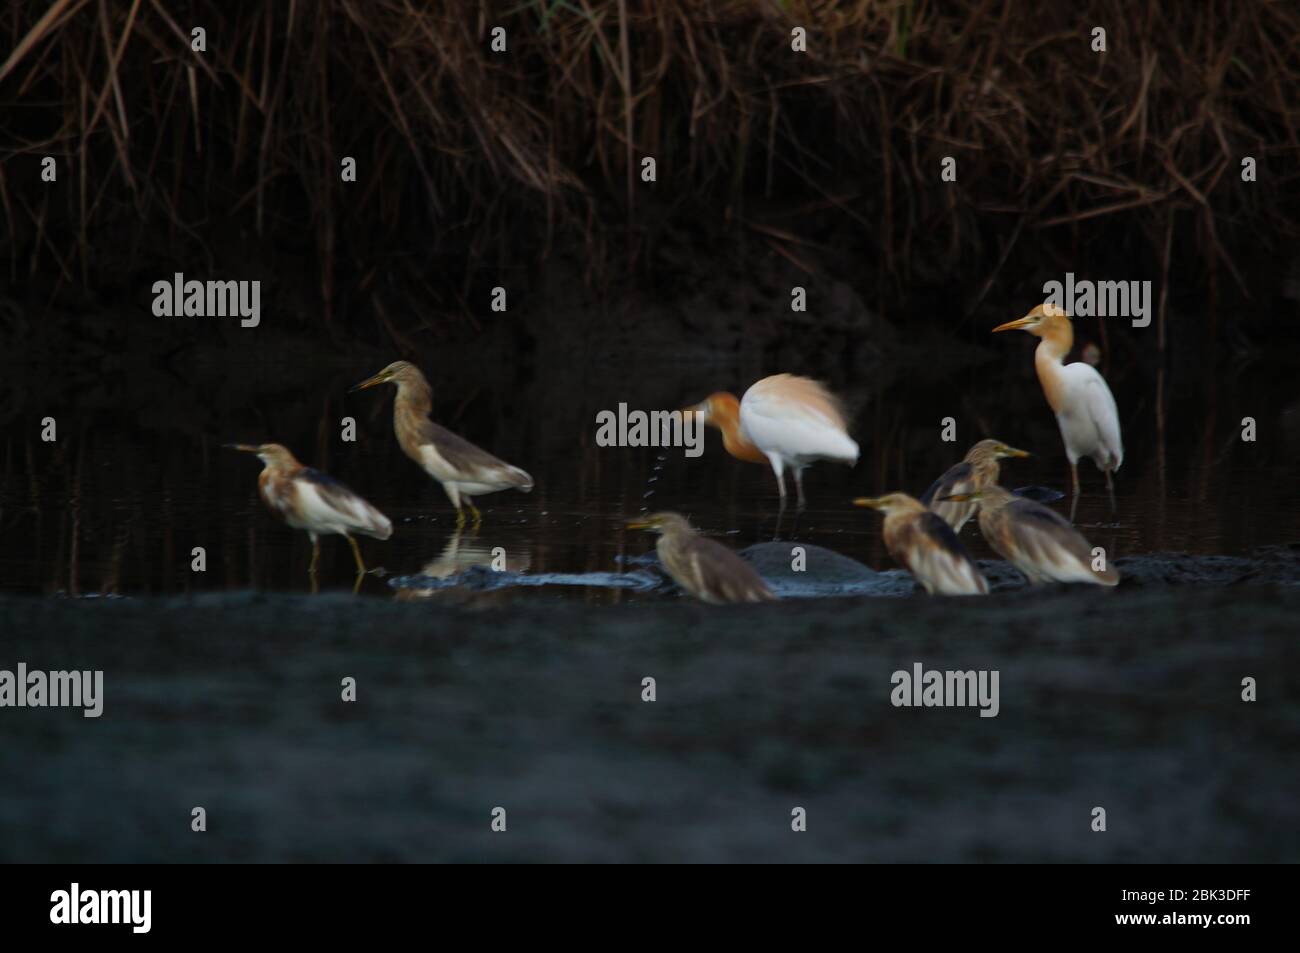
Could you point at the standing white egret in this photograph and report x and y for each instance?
(1084, 406)
(785, 421)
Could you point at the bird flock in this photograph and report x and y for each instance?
(786, 422)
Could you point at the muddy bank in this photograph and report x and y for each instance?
(1128, 699)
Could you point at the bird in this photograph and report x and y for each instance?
(926, 546)
(977, 470)
(785, 421)
(308, 499)
(464, 470)
(706, 569)
(1038, 541)
(1084, 406)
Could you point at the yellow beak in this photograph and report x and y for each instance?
(638, 524)
(871, 502)
(242, 447)
(1013, 452)
(369, 382)
(1015, 325)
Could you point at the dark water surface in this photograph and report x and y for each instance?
(119, 502)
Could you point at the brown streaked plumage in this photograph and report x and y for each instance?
(310, 500)
(926, 546)
(707, 570)
(1036, 540)
(785, 421)
(464, 470)
(977, 470)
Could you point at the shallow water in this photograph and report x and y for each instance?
(117, 504)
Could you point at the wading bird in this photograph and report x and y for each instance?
(785, 421)
(1039, 542)
(707, 570)
(314, 501)
(977, 470)
(463, 469)
(1084, 406)
(926, 546)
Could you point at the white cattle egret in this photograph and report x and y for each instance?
(979, 469)
(786, 421)
(1039, 542)
(464, 470)
(922, 542)
(1084, 406)
(309, 499)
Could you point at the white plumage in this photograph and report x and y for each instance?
(310, 500)
(794, 421)
(944, 573)
(1085, 408)
(1088, 417)
(341, 512)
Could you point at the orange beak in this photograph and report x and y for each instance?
(1016, 325)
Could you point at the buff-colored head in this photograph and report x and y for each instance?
(662, 523)
(890, 503)
(1041, 322)
(401, 373)
(272, 454)
(987, 450)
(991, 497)
(719, 410)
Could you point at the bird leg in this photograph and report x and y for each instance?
(1074, 480)
(798, 483)
(356, 552)
(478, 517)
(315, 558)
(1110, 488)
(779, 469)
(453, 494)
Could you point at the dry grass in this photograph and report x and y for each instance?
(469, 158)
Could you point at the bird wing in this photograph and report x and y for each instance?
(718, 574)
(959, 478)
(1045, 539)
(1096, 404)
(325, 502)
(464, 462)
(1105, 414)
(796, 417)
(930, 550)
(956, 479)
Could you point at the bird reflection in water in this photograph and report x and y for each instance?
(465, 552)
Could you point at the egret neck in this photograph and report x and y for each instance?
(724, 413)
(1055, 341)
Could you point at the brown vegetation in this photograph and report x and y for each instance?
(471, 158)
